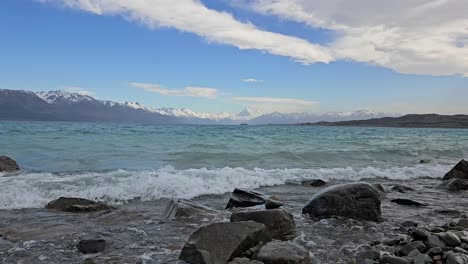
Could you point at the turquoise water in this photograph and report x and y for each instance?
(122, 161)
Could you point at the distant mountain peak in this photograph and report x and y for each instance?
(52, 97)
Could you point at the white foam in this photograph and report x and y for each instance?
(35, 190)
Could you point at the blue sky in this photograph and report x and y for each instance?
(201, 56)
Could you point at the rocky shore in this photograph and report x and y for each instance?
(377, 220)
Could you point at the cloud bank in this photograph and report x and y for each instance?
(201, 92)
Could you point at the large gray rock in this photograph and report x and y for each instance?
(67, 204)
(279, 222)
(457, 258)
(277, 252)
(394, 260)
(8, 164)
(222, 242)
(358, 200)
(246, 198)
(450, 239)
(185, 208)
(91, 245)
(460, 171)
(456, 185)
(434, 241)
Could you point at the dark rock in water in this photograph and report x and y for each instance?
(456, 185)
(283, 253)
(8, 164)
(408, 248)
(314, 183)
(272, 204)
(91, 245)
(381, 189)
(425, 161)
(222, 242)
(67, 204)
(402, 189)
(394, 260)
(449, 212)
(185, 208)
(460, 171)
(279, 222)
(246, 198)
(353, 200)
(408, 202)
(409, 223)
(463, 222)
(244, 261)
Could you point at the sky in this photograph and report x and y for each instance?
(400, 56)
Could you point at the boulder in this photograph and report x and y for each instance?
(457, 258)
(272, 204)
(279, 222)
(420, 234)
(419, 258)
(277, 252)
(67, 204)
(185, 208)
(408, 202)
(358, 200)
(435, 241)
(450, 239)
(460, 171)
(246, 198)
(314, 183)
(410, 247)
(394, 260)
(456, 185)
(8, 164)
(91, 245)
(222, 242)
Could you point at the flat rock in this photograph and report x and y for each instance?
(358, 200)
(314, 183)
(7, 164)
(408, 202)
(460, 171)
(67, 204)
(185, 208)
(246, 198)
(222, 242)
(277, 252)
(280, 222)
(394, 260)
(91, 245)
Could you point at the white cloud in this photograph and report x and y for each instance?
(203, 92)
(78, 90)
(192, 16)
(252, 80)
(408, 36)
(271, 100)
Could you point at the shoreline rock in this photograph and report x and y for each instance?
(77, 205)
(8, 164)
(460, 171)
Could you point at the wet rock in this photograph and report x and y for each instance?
(460, 171)
(279, 222)
(463, 222)
(5, 246)
(372, 254)
(244, 261)
(425, 161)
(381, 189)
(67, 204)
(91, 245)
(353, 200)
(8, 164)
(222, 242)
(435, 241)
(457, 258)
(283, 253)
(419, 258)
(408, 202)
(272, 204)
(410, 247)
(448, 212)
(185, 208)
(409, 223)
(246, 198)
(436, 251)
(314, 183)
(402, 189)
(394, 260)
(456, 185)
(420, 234)
(450, 239)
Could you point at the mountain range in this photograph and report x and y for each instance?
(66, 106)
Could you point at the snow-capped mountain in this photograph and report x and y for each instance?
(66, 106)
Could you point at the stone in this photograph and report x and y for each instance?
(358, 200)
(409, 223)
(8, 164)
(460, 171)
(425, 161)
(435, 241)
(419, 258)
(222, 242)
(280, 222)
(272, 204)
(394, 260)
(91, 245)
(457, 258)
(402, 189)
(435, 251)
(450, 239)
(408, 202)
(246, 198)
(314, 183)
(372, 254)
(67, 204)
(277, 252)
(456, 185)
(185, 208)
(244, 261)
(420, 234)
(463, 222)
(381, 189)
(415, 245)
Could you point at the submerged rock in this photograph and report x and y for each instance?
(279, 222)
(456, 185)
(185, 208)
(67, 204)
(8, 164)
(353, 200)
(402, 189)
(460, 171)
(246, 198)
(222, 242)
(91, 245)
(408, 202)
(314, 183)
(277, 252)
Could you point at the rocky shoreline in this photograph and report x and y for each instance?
(417, 221)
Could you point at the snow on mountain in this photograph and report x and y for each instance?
(53, 97)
